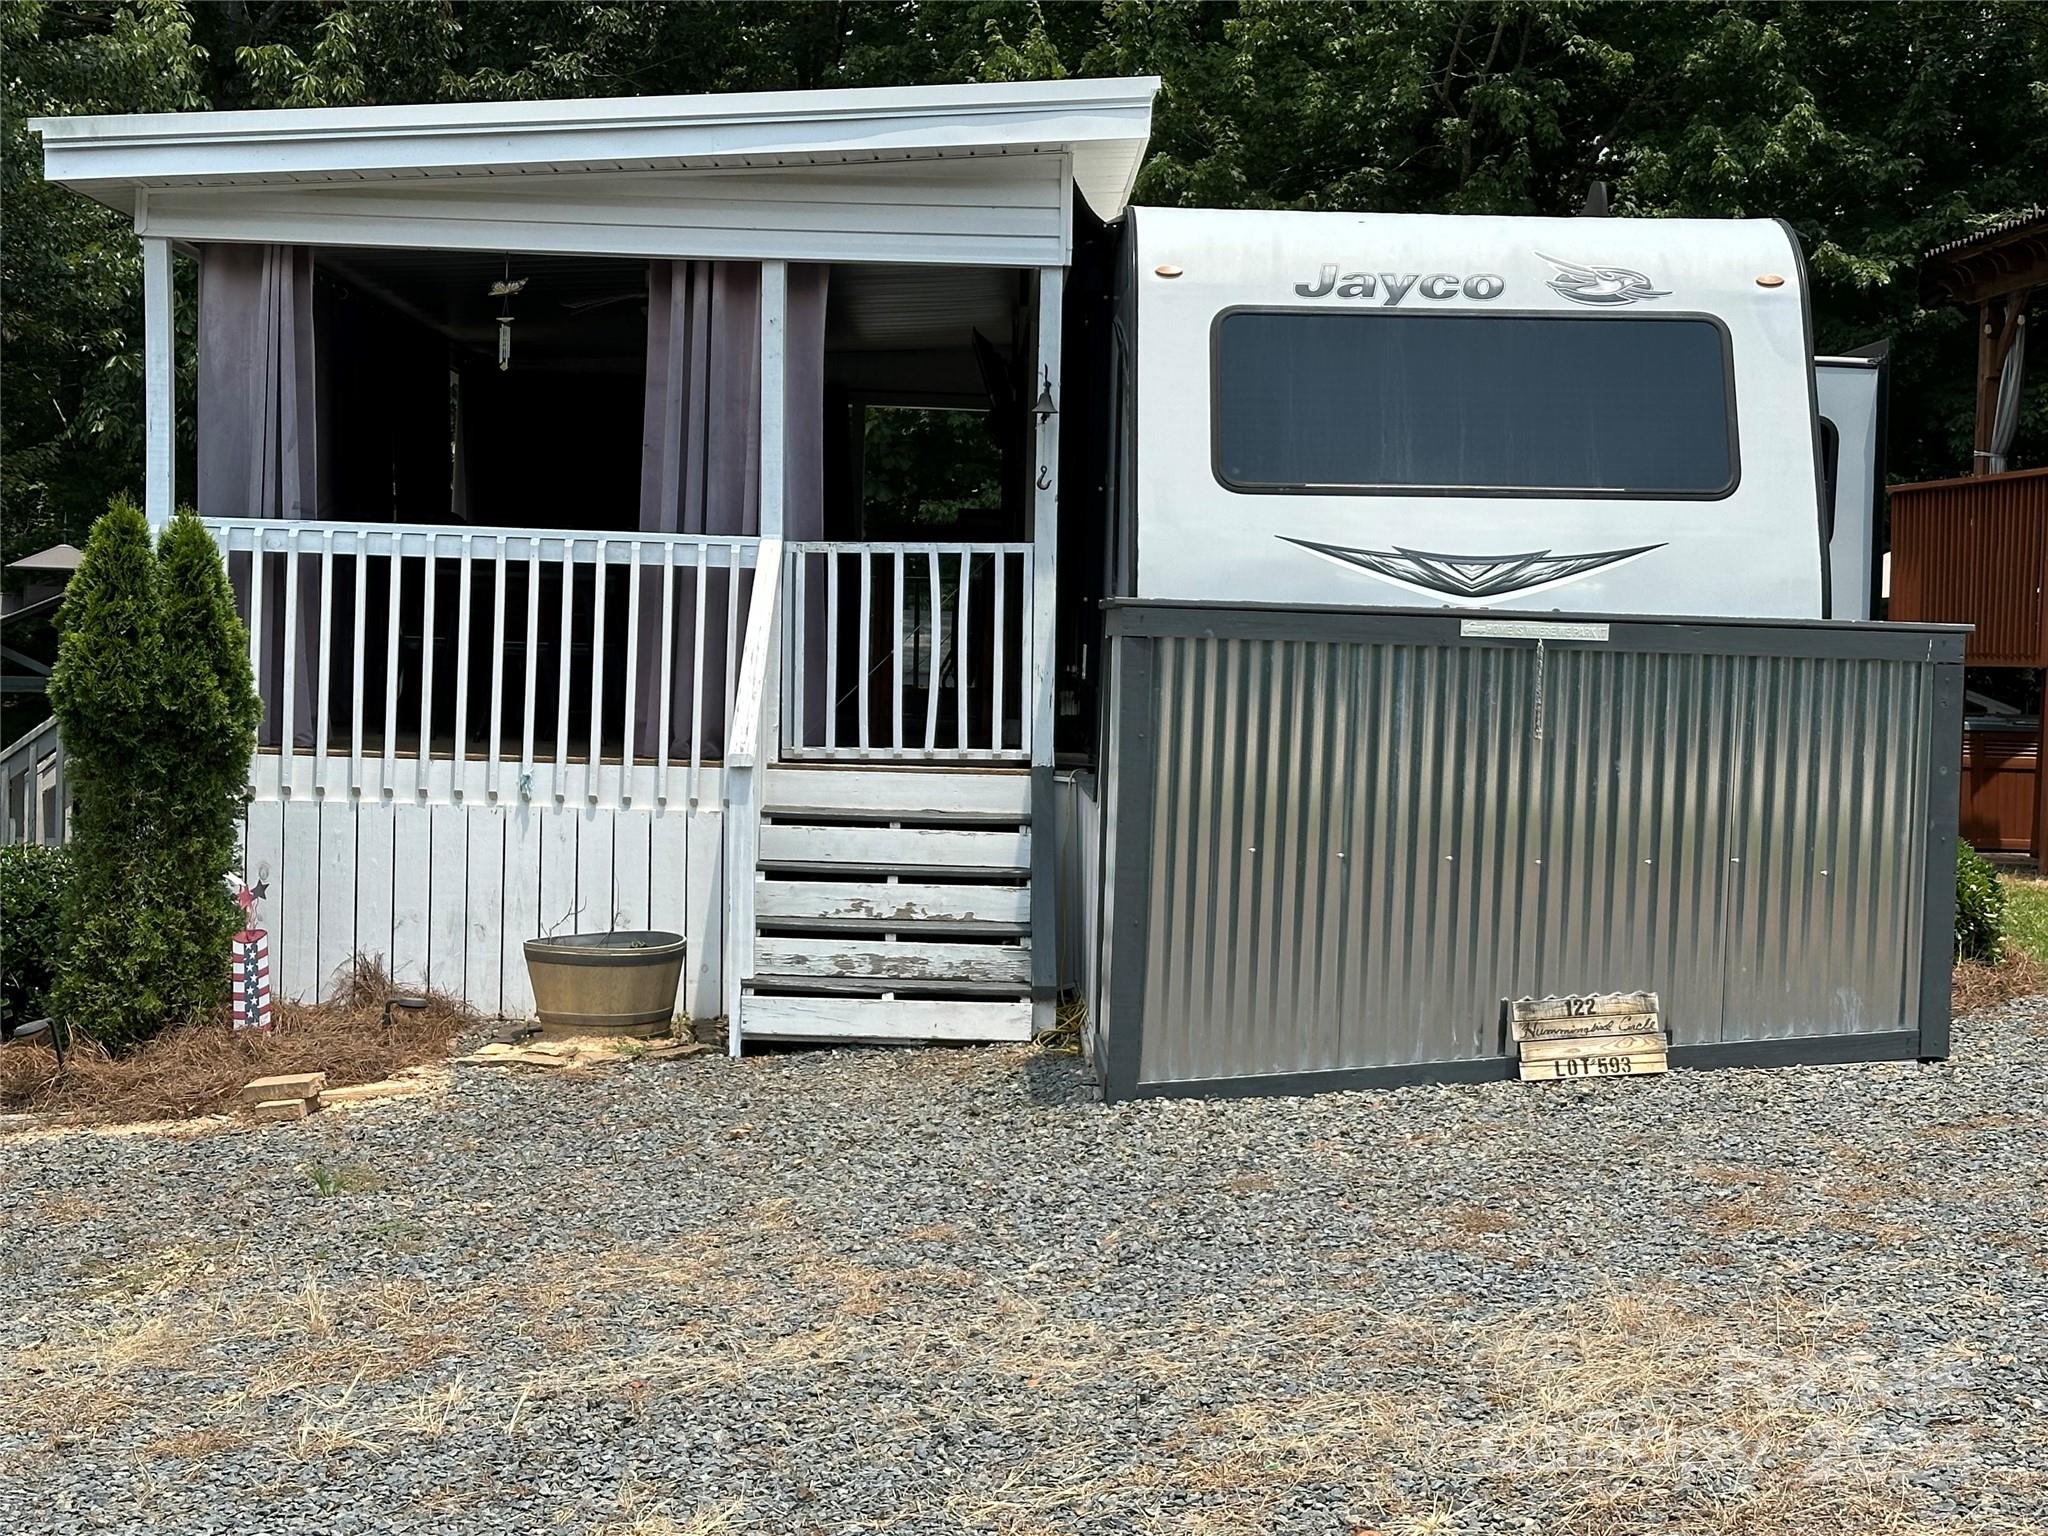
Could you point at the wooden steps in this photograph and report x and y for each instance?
(892, 905)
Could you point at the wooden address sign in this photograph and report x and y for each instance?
(1600, 1034)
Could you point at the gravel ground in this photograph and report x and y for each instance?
(925, 1291)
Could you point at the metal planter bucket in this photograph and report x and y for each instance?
(608, 983)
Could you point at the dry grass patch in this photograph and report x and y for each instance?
(1978, 988)
(198, 1069)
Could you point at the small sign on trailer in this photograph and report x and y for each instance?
(1606, 1034)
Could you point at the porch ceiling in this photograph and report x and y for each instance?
(1102, 124)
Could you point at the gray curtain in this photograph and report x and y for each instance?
(2005, 416)
(700, 458)
(259, 434)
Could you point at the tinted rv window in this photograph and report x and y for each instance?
(1311, 400)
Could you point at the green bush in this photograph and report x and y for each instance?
(1980, 908)
(31, 889)
(206, 739)
(107, 693)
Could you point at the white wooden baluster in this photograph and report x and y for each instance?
(831, 649)
(323, 688)
(995, 707)
(668, 664)
(562, 672)
(532, 638)
(697, 681)
(497, 657)
(798, 627)
(256, 585)
(960, 654)
(896, 647)
(938, 628)
(424, 764)
(391, 637)
(597, 649)
(630, 724)
(287, 727)
(355, 671)
(867, 619)
(732, 632)
(458, 770)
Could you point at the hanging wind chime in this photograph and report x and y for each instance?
(503, 291)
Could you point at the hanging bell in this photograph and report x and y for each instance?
(1043, 406)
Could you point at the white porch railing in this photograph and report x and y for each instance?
(914, 652)
(389, 654)
(32, 778)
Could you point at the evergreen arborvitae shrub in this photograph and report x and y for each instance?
(32, 879)
(206, 739)
(1980, 908)
(106, 691)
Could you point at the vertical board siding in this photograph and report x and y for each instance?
(1975, 551)
(445, 895)
(1355, 849)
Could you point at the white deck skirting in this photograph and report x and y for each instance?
(447, 890)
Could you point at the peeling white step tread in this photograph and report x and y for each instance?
(873, 904)
(883, 796)
(895, 848)
(880, 1019)
(888, 960)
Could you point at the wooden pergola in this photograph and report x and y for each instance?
(1974, 549)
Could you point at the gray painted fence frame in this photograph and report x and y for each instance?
(1875, 778)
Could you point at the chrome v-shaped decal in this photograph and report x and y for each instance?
(1470, 576)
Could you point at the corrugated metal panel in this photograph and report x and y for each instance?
(1975, 551)
(1358, 849)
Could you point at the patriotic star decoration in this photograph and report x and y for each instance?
(250, 895)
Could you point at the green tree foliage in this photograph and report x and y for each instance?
(206, 737)
(1875, 130)
(32, 877)
(107, 693)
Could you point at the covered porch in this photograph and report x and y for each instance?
(578, 465)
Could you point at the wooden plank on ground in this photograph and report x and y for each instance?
(883, 960)
(885, 1020)
(879, 906)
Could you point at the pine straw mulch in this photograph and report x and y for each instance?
(1978, 988)
(197, 1069)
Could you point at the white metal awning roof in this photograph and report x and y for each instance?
(1102, 124)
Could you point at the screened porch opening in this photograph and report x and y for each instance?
(507, 507)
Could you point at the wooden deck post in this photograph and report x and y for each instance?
(160, 443)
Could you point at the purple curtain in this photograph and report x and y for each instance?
(260, 399)
(700, 456)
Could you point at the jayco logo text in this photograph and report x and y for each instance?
(1393, 287)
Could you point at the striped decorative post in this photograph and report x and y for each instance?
(249, 969)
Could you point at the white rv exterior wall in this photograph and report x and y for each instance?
(447, 889)
(1754, 553)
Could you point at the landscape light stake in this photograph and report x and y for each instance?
(412, 1004)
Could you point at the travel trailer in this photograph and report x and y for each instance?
(782, 519)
